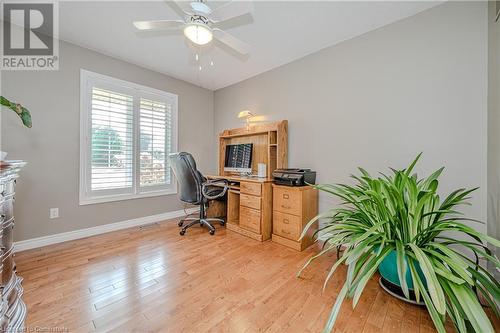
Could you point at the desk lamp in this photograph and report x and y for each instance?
(246, 114)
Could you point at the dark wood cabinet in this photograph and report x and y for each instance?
(12, 308)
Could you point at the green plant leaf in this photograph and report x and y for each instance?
(335, 310)
(401, 265)
(368, 273)
(20, 110)
(479, 249)
(311, 222)
(493, 305)
(458, 321)
(489, 286)
(412, 165)
(472, 308)
(453, 261)
(493, 241)
(444, 272)
(333, 269)
(435, 290)
(435, 316)
(452, 299)
(329, 248)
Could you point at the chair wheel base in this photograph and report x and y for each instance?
(212, 232)
(180, 223)
(182, 232)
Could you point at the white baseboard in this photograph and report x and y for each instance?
(101, 229)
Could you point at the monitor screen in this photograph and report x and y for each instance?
(239, 157)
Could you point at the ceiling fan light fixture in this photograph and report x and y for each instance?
(199, 34)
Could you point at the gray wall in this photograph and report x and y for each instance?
(493, 125)
(51, 147)
(377, 100)
(374, 101)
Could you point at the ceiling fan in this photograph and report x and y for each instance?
(200, 23)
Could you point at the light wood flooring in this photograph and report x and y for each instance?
(153, 280)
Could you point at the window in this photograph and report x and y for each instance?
(127, 132)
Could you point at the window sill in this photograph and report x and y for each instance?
(123, 197)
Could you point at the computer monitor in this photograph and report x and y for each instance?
(239, 158)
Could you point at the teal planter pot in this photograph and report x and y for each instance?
(389, 271)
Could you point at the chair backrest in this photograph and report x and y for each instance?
(188, 177)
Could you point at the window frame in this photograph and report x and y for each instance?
(90, 79)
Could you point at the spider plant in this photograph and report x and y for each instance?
(402, 214)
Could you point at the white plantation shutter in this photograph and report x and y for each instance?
(155, 136)
(112, 140)
(126, 134)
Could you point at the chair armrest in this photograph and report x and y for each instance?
(218, 180)
(215, 182)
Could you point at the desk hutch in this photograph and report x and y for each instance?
(250, 199)
(249, 208)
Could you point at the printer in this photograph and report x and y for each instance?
(294, 177)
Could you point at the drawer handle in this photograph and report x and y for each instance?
(286, 207)
(285, 221)
(285, 232)
(286, 196)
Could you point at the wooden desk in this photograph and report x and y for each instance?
(249, 206)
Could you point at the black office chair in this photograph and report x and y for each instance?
(196, 189)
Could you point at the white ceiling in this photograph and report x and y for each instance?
(278, 32)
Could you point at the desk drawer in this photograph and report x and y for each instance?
(250, 219)
(250, 201)
(287, 201)
(286, 225)
(250, 188)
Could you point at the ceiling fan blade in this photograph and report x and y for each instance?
(184, 6)
(181, 8)
(231, 41)
(230, 10)
(158, 25)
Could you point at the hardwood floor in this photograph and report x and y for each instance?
(151, 279)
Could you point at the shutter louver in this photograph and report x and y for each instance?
(111, 140)
(155, 142)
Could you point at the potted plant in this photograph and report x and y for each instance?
(399, 221)
(21, 111)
